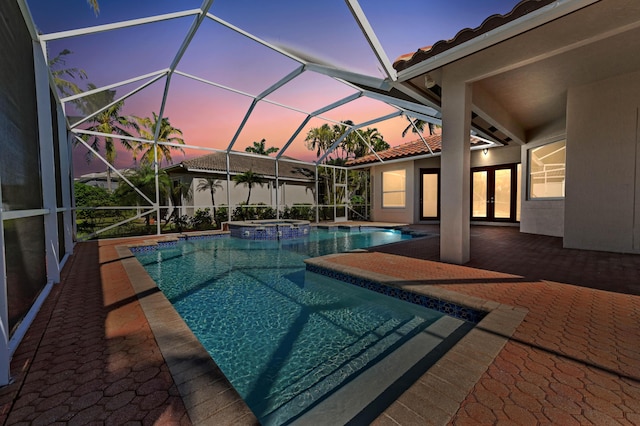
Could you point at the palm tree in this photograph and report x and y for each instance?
(320, 139)
(168, 133)
(371, 136)
(211, 185)
(109, 121)
(419, 124)
(179, 190)
(60, 74)
(249, 178)
(259, 148)
(94, 5)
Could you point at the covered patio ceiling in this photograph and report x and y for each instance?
(520, 84)
(229, 74)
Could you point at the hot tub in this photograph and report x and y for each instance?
(270, 229)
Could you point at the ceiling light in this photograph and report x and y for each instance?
(429, 82)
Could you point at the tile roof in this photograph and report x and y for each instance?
(238, 163)
(494, 21)
(407, 150)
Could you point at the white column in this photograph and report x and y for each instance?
(47, 166)
(66, 179)
(455, 171)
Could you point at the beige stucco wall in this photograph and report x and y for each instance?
(395, 214)
(602, 206)
(290, 193)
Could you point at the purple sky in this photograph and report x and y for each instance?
(209, 116)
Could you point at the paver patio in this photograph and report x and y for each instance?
(91, 356)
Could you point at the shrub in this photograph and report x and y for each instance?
(201, 219)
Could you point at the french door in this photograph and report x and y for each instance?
(494, 193)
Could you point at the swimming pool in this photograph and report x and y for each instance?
(286, 339)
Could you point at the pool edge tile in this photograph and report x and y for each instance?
(488, 337)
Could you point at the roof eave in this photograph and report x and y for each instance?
(513, 28)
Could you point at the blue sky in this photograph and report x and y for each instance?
(209, 116)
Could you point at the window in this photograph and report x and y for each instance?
(430, 206)
(394, 188)
(547, 171)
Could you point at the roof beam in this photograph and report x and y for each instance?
(492, 111)
(356, 127)
(370, 35)
(242, 124)
(349, 76)
(112, 86)
(116, 25)
(122, 98)
(256, 39)
(294, 136)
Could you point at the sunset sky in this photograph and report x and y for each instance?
(209, 116)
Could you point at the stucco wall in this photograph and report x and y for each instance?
(395, 214)
(290, 193)
(602, 209)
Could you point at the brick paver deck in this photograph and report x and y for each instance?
(91, 356)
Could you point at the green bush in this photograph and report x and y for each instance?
(201, 220)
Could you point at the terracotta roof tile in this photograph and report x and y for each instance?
(407, 150)
(494, 21)
(238, 163)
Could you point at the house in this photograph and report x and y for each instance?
(295, 182)
(105, 180)
(409, 182)
(557, 83)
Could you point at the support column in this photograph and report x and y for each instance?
(455, 171)
(47, 166)
(66, 184)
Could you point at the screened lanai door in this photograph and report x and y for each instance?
(340, 194)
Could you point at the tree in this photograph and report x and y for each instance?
(60, 74)
(259, 148)
(419, 124)
(373, 138)
(352, 145)
(320, 139)
(211, 185)
(109, 121)
(147, 129)
(249, 179)
(179, 190)
(95, 6)
(144, 178)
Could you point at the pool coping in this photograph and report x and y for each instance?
(209, 396)
(455, 374)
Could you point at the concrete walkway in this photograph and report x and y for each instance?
(91, 357)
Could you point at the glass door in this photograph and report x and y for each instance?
(494, 193)
(429, 194)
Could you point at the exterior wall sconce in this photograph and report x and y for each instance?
(485, 151)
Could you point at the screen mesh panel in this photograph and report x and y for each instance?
(19, 162)
(26, 270)
(56, 149)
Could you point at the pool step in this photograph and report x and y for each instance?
(350, 362)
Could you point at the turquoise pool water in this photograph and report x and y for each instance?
(286, 339)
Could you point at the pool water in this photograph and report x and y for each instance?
(285, 338)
